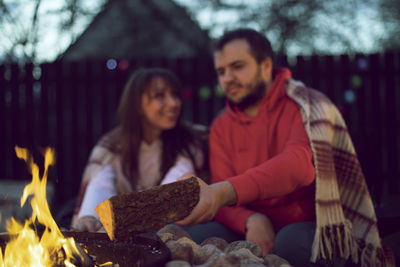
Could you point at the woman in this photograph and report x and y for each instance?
(148, 148)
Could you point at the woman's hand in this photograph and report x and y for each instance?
(87, 223)
(260, 231)
(212, 198)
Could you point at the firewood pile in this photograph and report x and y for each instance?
(214, 251)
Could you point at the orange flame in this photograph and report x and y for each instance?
(25, 247)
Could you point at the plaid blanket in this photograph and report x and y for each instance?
(346, 221)
(102, 154)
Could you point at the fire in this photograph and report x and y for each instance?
(26, 247)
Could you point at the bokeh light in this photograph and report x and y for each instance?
(111, 64)
(187, 94)
(362, 64)
(123, 64)
(356, 81)
(349, 96)
(204, 92)
(342, 110)
(36, 72)
(218, 91)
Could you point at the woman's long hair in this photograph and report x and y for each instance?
(175, 141)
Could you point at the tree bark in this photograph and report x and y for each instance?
(125, 215)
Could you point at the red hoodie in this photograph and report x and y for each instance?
(267, 159)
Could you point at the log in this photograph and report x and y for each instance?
(124, 215)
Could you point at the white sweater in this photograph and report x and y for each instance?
(102, 186)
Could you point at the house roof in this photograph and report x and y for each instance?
(140, 28)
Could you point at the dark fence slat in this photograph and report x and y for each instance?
(77, 116)
(315, 71)
(362, 133)
(376, 168)
(106, 87)
(44, 112)
(14, 86)
(90, 86)
(61, 109)
(29, 125)
(391, 136)
(397, 112)
(3, 141)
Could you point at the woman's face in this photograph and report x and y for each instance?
(161, 106)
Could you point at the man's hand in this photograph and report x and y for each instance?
(260, 231)
(212, 198)
(87, 223)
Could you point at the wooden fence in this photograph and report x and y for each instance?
(68, 106)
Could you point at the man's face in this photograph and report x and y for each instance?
(239, 74)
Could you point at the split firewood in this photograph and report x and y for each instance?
(79, 258)
(123, 216)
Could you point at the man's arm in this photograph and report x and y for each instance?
(260, 230)
(212, 198)
(234, 216)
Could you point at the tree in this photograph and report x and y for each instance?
(390, 14)
(26, 24)
(302, 27)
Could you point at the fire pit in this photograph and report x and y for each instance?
(145, 250)
(25, 245)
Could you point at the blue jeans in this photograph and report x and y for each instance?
(293, 242)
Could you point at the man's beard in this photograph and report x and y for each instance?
(252, 98)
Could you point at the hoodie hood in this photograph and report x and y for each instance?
(274, 93)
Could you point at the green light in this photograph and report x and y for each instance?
(356, 81)
(204, 92)
(218, 91)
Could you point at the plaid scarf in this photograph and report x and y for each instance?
(345, 216)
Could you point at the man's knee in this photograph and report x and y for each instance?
(294, 242)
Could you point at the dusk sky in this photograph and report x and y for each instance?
(52, 42)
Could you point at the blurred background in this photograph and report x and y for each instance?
(63, 64)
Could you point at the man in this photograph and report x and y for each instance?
(276, 162)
